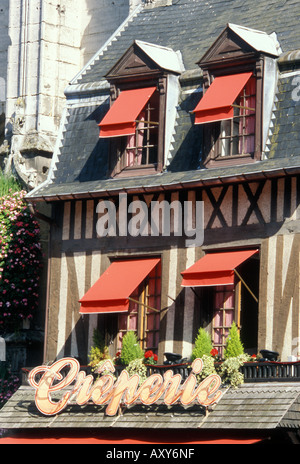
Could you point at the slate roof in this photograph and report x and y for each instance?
(191, 26)
(285, 136)
(263, 406)
(80, 159)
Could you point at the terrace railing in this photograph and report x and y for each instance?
(267, 371)
(271, 371)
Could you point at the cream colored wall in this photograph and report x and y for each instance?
(48, 44)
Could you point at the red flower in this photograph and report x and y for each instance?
(149, 354)
(155, 357)
(214, 352)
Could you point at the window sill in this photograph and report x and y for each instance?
(148, 170)
(229, 161)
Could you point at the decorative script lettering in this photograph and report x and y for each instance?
(82, 388)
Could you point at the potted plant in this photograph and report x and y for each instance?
(131, 349)
(203, 344)
(98, 352)
(150, 357)
(234, 346)
(228, 368)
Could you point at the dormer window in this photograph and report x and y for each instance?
(237, 135)
(142, 146)
(229, 106)
(137, 120)
(231, 110)
(134, 118)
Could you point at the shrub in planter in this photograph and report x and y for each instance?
(130, 349)
(99, 351)
(208, 367)
(97, 370)
(229, 370)
(234, 346)
(203, 344)
(137, 367)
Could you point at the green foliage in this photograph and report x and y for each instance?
(137, 367)
(150, 357)
(98, 339)
(98, 368)
(208, 367)
(20, 261)
(203, 344)
(96, 355)
(8, 185)
(229, 370)
(234, 346)
(130, 349)
(99, 351)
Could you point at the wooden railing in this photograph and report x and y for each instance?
(183, 369)
(268, 371)
(271, 371)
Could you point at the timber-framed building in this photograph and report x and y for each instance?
(191, 103)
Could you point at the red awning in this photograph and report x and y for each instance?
(215, 269)
(110, 294)
(121, 117)
(216, 103)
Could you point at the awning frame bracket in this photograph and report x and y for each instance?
(145, 305)
(243, 107)
(247, 287)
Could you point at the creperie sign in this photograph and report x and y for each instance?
(126, 390)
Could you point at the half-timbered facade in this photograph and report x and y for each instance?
(259, 214)
(238, 160)
(249, 195)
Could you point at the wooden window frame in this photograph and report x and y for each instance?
(236, 310)
(211, 131)
(117, 150)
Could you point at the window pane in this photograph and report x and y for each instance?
(132, 325)
(150, 340)
(229, 318)
(135, 143)
(141, 148)
(218, 320)
(237, 135)
(217, 339)
(150, 321)
(123, 321)
(223, 315)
